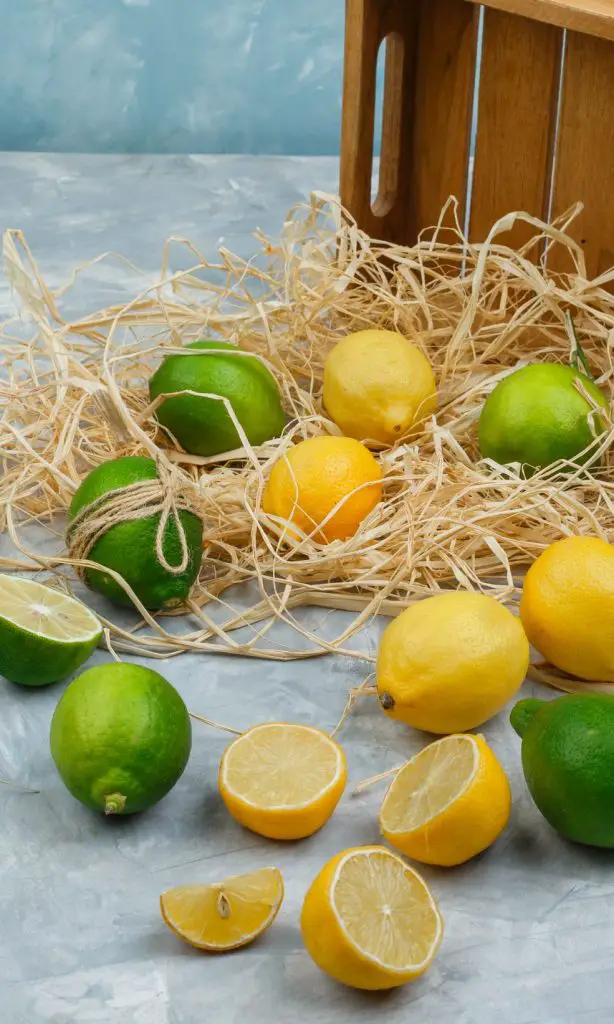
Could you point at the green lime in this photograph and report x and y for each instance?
(536, 416)
(120, 738)
(203, 426)
(130, 547)
(44, 634)
(568, 763)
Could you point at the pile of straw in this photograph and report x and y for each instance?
(75, 394)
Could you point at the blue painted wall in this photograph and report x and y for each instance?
(171, 76)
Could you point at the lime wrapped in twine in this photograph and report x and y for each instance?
(137, 519)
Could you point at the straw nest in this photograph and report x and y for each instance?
(74, 394)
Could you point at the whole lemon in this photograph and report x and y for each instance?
(537, 416)
(309, 481)
(451, 662)
(567, 606)
(202, 425)
(378, 386)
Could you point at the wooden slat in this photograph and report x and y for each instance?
(363, 34)
(427, 100)
(392, 207)
(594, 17)
(518, 92)
(585, 161)
(445, 68)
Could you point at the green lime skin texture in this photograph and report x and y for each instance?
(568, 763)
(44, 635)
(536, 416)
(120, 738)
(37, 661)
(130, 548)
(202, 426)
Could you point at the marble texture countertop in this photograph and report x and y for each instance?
(529, 938)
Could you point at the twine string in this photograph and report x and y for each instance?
(165, 496)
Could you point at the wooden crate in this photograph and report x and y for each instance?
(545, 130)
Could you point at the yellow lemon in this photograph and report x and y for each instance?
(451, 662)
(378, 386)
(450, 802)
(224, 915)
(567, 606)
(282, 781)
(370, 921)
(326, 486)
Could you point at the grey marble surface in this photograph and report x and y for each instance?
(528, 924)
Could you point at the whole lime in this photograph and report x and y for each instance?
(536, 416)
(568, 763)
(129, 548)
(203, 426)
(120, 738)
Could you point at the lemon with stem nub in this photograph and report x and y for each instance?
(224, 915)
(450, 662)
(378, 386)
(45, 635)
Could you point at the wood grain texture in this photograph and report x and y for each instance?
(594, 17)
(585, 162)
(391, 209)
(430, 62)
(363, 34)
(518, 92)
(445, 68)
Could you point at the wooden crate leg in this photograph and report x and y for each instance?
(430, 64)
(585, 159)
(363, 35)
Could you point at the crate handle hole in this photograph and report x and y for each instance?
(386, 126)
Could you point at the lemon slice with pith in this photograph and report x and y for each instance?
(369, 920)
(282, 781)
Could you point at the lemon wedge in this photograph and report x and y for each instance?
(224, 915)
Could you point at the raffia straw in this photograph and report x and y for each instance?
(367, 783)
(19, 787)
(74, 393)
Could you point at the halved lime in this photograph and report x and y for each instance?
(44, 634)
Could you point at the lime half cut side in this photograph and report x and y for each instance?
(44, 634)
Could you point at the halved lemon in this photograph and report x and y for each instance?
(282, 781)
(224, 915)
(450, 802)
(44, 634)
(370, 921)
